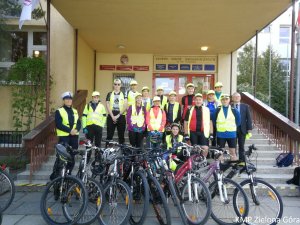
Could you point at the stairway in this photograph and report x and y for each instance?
(41, 177)
(266, 169)
(266, 166)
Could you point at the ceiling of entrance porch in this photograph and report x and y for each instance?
(169, 26)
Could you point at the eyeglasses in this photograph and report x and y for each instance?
(117, 84)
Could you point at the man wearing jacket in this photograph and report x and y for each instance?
(246, 123)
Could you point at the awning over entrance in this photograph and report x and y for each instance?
(169, 26)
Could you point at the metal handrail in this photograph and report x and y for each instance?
(284, 133)
(39, 142)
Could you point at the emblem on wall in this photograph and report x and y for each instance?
(124, 59)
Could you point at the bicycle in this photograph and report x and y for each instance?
(65, 198)
(94, 189)
(194, 194)
(7, 189)
(229, 201)
(264, 198)
(134, 176)
(117, 196)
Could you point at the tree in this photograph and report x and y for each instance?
(244, 79)
(28, 79)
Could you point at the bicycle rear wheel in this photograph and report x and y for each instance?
(117, 204)
(64, 201)
(94, 205)
(7, 191)
(198, 210)
(159, 201)
(264, 202)
(235, 206)
(140, 197)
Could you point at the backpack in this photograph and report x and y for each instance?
(296, 178)
(284, 159)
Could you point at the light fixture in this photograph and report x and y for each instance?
(120, 46)
(36, 53)
(204, 48)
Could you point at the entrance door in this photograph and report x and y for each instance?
(178, 82)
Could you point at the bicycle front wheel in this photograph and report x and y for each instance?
(264, 202)
(94, 205)
(196, 202)
(7, 191)
(230, 204)
(159, 201)
(64, 201)
(117, 204)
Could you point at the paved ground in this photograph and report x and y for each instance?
(25, 210)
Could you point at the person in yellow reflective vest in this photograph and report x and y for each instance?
(67, 125)
(197, 124)
(147, 102)
(226, 120)
(218, 92)
(136, 121)
(171, 141)
(93, 120)
(156, 121)
(130, 94)
(116, 105)
(173, 111)
(163, 99)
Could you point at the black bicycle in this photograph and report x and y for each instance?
(264, 199)
(7, 189)
(65, 198)
(93, 187)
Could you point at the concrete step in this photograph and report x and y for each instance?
(265, 169)
(270, 178)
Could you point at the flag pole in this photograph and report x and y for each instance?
(298, 70)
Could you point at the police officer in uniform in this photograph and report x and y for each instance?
(67, 124)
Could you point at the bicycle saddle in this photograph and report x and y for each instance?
(63, 153)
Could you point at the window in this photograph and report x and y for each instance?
(16, 44)
(125, 79)
(284, 34)
(285, 64)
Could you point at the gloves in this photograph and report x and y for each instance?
(85, 131)
(248, 136)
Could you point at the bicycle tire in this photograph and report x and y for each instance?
(204, 194)
(128, 201)
(176, 201)
(241, 212)
(274, 196)
(5, 178)
(155, 188)
(95, 201)
(139, 219)
(54, 184)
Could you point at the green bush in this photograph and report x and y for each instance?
(14, 163)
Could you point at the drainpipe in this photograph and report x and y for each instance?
(48, 60)
(292, 64)
(255, 65)
(76, 58)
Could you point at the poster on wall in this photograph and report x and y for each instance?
(201, 64)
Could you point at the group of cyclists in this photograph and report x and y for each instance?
(158, 120)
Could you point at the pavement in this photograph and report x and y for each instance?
(25, 210)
